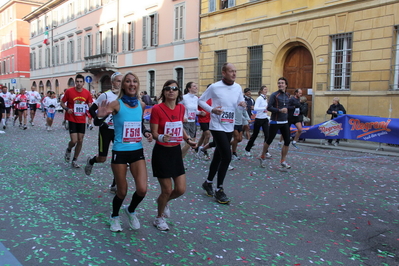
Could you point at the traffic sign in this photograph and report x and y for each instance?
(89, 79)
(13, 81)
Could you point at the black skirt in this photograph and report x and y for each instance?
(167, 162)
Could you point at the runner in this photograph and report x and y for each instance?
(7, 97)
(22, 106)
(74, 103)
(226, 95)
(278, 106)
(33, 98)
(127, 115)
(167, 162)
(106, 126)
(51, 105)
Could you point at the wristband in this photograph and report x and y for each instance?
(160, 137)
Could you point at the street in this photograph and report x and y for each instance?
(335, 206)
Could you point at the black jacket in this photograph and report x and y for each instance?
(333, 107)
(278, 100)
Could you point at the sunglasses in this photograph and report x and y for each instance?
(171, 88)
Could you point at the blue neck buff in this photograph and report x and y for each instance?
(131, 101)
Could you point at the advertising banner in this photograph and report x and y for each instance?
(357, 127)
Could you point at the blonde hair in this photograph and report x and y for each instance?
(122, 92)
(303, 99)
(336, 99)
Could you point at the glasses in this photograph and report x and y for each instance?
(171, 88)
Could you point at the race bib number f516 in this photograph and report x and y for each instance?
(175, 130)
(131, 132)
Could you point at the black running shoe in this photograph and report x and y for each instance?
(208, 188)
(221, 197)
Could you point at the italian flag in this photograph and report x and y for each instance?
(46, 40)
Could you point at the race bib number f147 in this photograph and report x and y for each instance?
(175, 130)
(131, 132)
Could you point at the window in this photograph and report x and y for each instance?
(70, 51)
(128, 37)
(227, 3)
(179, 22)
(212, 6)
(47, 57)
(179, 76)
(40, 58)
(151, 80)
(221, 58)
(99, 42)
(12, 64)
(113, 41)
(150, 30)
(395, 60)
(33, 61)
(62, 53)
(79, 49)
(255, 61)
(341, 61)
(88, 45)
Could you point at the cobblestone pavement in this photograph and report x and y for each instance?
(334, 207)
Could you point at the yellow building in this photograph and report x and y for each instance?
(328, 48)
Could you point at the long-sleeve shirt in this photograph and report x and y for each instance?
(261, 107)
(241, 115)
(190, 101)
(227, 97)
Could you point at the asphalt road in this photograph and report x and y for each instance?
(336, 206)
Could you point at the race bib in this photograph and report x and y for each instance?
(22, 104)
(296, 112)
(227, 117)
(79, 109)
(191, 114)
(131, 132)
(175, 130)
(110, 121)
(51, 110)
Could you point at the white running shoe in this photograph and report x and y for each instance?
(166, 212)
(285, 165)
(268, 155)
(279, 145)
(115, 224)
(75, 164)
(235, 157)
(248, 153)
(161, 224)
(262, 162)
(230, 167)
(133, 221)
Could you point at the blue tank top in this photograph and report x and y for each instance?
(126, 123)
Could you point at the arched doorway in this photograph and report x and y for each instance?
(57, 87)
(71, 83)
(41, 86)
(48, 85)
(298, 69)
(105, 83)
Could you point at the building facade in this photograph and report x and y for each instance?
(328, 48)
(155, 39)
(14, 43)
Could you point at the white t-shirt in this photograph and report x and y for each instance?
(190, 102)
(107, 96)
(33, 97)
(7, 98)
(226, 96)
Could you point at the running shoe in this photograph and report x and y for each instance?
(115, 224)
(88, 166)
(13, 123)
(285, 165)
(206, 156)
(248, 153)
(4, 126)
(262, 162)
(268, 155)
(67, 156)
(32, 124)
(208, 188)
(75, 164)
(230, 167)
(279, 145)
(91, 127)
(166, 212)
(200, 153)
(25, 127)
(161, 224)
(294, 144)
(221, 197)
(336, 143)
(133, 221)
(235, 157)
(112, 189)
(50, 128)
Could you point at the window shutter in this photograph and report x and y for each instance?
(98, 43)
(156, 17)
(132, 30)
(72, 51)
(114, 44)
(124, 36)
(145, 41)
(86, 48)
(212, 5)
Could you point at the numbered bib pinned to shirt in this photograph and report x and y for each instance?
(79, 109)
(175, 130)
(296, 112)
(51, 110)
(191, 114)
(131, 132)
(227, 117)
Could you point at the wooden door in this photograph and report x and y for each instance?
(298, 69)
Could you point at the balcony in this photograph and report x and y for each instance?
(100, 62)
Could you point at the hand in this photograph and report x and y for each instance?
(102, 110)
(148, 136)
(217, 110)
(284, 110)
(243, 104)
(166, 138)
(192, 144)
(202, 113)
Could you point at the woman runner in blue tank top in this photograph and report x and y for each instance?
(127, 112)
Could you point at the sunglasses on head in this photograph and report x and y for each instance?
(168, 88)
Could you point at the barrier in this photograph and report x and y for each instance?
(356, 127)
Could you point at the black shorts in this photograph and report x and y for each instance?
(167, 162)
(7, 110)
(238, 128)
(77, 127)
(204, 126)
(127, 157)
(16, 111)
(33, 106)
(105, 136)
(294, 120)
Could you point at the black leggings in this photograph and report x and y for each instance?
(259, 123)
(284, 130)
(221, 157)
